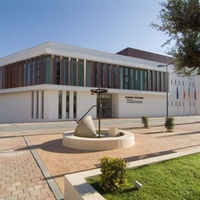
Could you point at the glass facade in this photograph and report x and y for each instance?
(50, 69)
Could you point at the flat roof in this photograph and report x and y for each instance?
(53, 48)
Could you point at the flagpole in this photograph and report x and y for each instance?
(177, 97)
(184, 107)
(189, 100)
(177, 108)
(184, 98)
(195, 100)
(195, 108)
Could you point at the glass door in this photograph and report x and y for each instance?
(106, 101)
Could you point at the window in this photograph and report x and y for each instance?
(1, 78)
(60, 104)
(33, 73)
(42, 114)
(58, 70)
(126, 77)
(115, 76)
(137, 79)
(38, 71)
(103, 70)
(151, 81)
(25, 74)
(131, 78)
(88, 74)
(155, 81)
(32, 105)
(164, 82)
(66, 68)
(109, 76)
(81, 73)
(37, 105)
(47, 69)
(67, 105)
(73, 72)
(75, 105)
(96, 75)
(28, 73)
(121, 77)
(145, 80)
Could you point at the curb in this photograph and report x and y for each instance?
(53, 186)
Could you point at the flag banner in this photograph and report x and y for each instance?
(188, 93)
(184, 93)
(177, 93)
(195, 94)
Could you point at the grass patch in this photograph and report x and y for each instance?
(174, 179)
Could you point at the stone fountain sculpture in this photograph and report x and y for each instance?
(86, 137)
(85, 128)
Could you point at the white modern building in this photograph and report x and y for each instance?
(52, 82)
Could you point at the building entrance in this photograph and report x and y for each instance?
(106, 101)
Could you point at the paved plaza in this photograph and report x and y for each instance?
(33, 160)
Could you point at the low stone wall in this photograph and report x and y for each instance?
(99, 144)
(77, 188)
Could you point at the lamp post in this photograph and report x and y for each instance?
(167, 86)
(99, 91)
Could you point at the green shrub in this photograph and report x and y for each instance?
(145, 122)
(113, 173)
(169, 123)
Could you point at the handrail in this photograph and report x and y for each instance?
(77, 121)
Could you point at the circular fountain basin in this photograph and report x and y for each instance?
(122, 140)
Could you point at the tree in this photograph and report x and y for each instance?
(181, 22)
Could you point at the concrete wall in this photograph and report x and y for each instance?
(183, 106)
(51, 105)
(40, 103)
(15, 107)
(84, 102)
(148, 105)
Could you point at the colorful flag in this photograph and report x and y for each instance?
(188, 93)
(177, 93)
(184, 93)
(195, 94)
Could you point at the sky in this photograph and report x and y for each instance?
(104, 25)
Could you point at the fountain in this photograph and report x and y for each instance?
(86, 137)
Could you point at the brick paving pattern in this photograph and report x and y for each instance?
(20, 177)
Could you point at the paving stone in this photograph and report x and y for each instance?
(20, 173)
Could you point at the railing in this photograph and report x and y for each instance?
(77, 121)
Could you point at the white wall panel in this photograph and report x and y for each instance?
(84, 102)
(15, 107)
